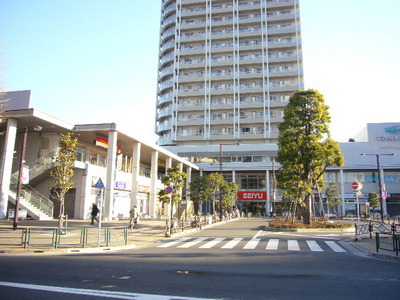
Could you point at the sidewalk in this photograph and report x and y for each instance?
(368, 246)
(146, 232)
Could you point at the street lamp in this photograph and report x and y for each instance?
(20, 175)
(379, 176)
(220, 171)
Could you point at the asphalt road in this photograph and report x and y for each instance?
(237, 260)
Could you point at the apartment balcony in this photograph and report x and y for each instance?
(169, 58)
(282, 45)
(191, 137)
(222, 121)
(278, 103)
(251, 120)
(164, 99)
(189, 93)
(194, 79)
(222, 49)
(288, 88)
(221, 10)
(284, 59)
(194, 108)
(218, 106)
(251, 61)
(192, 38)
(164, 113)
(279, 31)
(280, 3)
(281, 17)
(251, 135)
(193, 51)
(168, 45)
(221, 136)
(293, 73)
(250, 75)
(164, 127)
(190, 122)
(249, 90)
(168, 71)
(165, 85)
(195, 25)
(186, 13)
(184, 66)
(255, 104)
(169, 9)
(188, 2)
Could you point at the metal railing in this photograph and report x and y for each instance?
(32, 197)
(64, 237)
(377, 227)
(195, 222)
(389, 242)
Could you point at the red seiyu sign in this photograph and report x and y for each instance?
(252, 196)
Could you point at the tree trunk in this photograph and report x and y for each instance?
(307, 215)
(61, 215)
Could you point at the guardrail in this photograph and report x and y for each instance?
(377, 227)
(391, 242)
(64, 237)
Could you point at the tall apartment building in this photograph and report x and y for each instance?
(227, 69)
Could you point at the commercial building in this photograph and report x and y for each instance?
(226, 72)
(130, 169)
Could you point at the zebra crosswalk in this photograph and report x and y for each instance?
(272, 244)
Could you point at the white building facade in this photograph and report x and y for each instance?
(130, 169)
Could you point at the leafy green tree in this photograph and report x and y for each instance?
(174, 178)
(305, 149)
(332, 196)
(373, 200)
(214, 182)
(228, 195)
(198, 188)
(62, 171)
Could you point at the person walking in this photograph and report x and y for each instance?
(133, 217)
(95, 211)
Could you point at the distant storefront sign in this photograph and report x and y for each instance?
(252, 196)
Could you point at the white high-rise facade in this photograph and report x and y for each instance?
(226, 71)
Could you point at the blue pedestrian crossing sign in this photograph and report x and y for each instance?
(99, 184)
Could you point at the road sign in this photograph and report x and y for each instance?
(99, 184)
(356, 185)
(168, 189)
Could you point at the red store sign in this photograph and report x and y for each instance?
(252, 196)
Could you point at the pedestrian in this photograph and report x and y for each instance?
(133, 217)
(95, 211)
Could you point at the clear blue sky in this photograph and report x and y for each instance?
(90, 61)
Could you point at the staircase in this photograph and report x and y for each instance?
(39, 207)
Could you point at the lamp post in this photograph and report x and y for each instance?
(379, 176)
(20, 175)
(220, 171)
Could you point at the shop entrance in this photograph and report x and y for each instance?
(252, 207)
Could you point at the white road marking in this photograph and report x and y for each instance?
(293, 245)
(212, 243)
(192, 243)
(314, 246)
(231, 243)
(335, 247)
(272, 244)
(95, 293)
(252, 244)
(169, 244)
